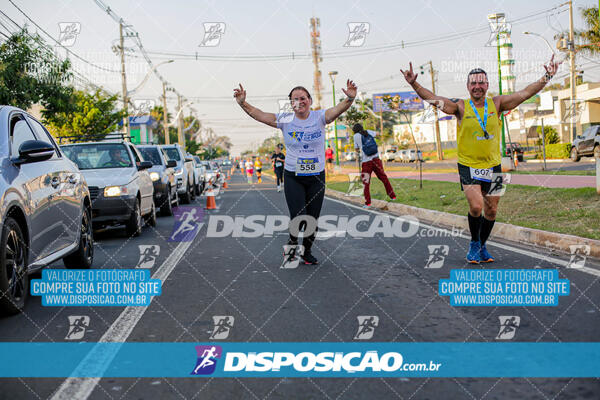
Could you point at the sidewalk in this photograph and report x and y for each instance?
(549, 181)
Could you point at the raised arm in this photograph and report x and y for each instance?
(332, 113)
(259, 115)
(510, 101)
(443, 103)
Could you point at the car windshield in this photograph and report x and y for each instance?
(213, 165)
(172, 153)
(98, 155)
(151, 154)
(197, 160)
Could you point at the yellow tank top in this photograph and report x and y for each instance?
(258, 164)
(474, 150)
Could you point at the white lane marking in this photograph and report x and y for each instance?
(528, 253)
(98, 360)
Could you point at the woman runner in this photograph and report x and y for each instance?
(304, 137)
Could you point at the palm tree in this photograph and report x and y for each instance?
(591, 35)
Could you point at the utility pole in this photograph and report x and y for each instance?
(438, 139)
(573, 126)
(180, 123)
(165, 120)
(124, 82)
(315, 44)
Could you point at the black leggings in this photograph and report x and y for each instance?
(304, 196)
(279, 175)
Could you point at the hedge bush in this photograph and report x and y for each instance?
(557, 150)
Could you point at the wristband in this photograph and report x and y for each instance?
(351, 98)
(547, 76)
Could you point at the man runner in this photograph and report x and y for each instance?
(479, 130)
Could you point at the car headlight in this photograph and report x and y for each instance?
(178, 172)
(154, 176)
(113, 191)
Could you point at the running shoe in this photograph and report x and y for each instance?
(367, 206)
(484, 255)
(473, 254)
(309, 259)
(279, 188)
(393, 198)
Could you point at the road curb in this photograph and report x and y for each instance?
(537, 237)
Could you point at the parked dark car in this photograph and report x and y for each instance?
(587, 144)
(184, 172)
(162, 174)
(120, 186)
(516, 149)
(45, 207)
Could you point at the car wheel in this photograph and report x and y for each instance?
(597, 152)
(192, 193)
(185, 197)
(198, 190)
(167, 207)
(151, 218)
(84, 255)
(14, 282)
(133, 227)
(574, 156)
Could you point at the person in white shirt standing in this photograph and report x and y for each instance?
(370, 162)
(304, 168)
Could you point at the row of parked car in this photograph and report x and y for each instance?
(52, 197)
(407, 155)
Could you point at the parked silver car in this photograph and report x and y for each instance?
(163, 176)
(45, 207)
(120, 186)
(184, 172)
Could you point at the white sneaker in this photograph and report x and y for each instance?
(279, 188)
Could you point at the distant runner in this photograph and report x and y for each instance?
(278, 159)
(304, 136)
(479, 130)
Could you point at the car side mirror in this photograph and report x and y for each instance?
(171, 164)
(144, 165)
(34, 151)
(579, 137)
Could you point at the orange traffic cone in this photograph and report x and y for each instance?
(225, 185)
(211, 204)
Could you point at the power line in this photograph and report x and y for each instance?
(60, 44)
(351, 53)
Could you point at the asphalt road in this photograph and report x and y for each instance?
(241, 277)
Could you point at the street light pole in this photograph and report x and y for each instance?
(332, 75)
(572, 68)
(165, 120)
(124, 83)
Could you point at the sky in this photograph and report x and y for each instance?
(276, 35)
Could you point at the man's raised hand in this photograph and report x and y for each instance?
(350, 90)
(552, 66)
(409, 75)
(239, 94)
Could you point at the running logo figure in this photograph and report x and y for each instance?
(207, 359)
(187, 224)
(148, 255)
(77, 326)
(366, 326)
(437, 255)
(223, 324)
(508, 327)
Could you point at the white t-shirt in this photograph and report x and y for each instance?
(304, 139)
(358, 145)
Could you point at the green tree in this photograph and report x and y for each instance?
(30, 74)
(92, 116)
(590, 36)
(359, 113)
(551, 135)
